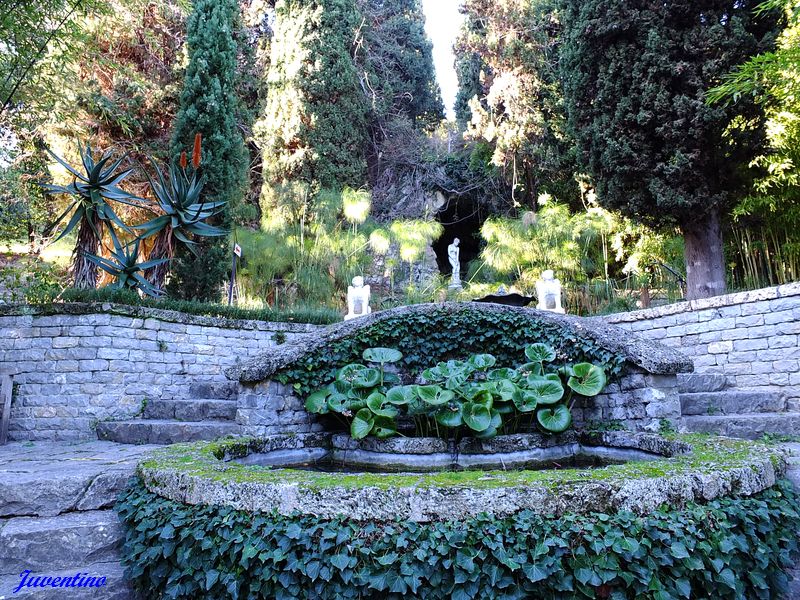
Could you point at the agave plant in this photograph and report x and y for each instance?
(92, 189)
(184, 213)
(124, 265)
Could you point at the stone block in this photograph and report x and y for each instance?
(785, 366)
(720, 347)
(783, 341)
(748, 344)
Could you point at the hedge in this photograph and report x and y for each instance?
(730, 548)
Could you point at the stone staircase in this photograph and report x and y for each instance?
(209, 414)
(56, 518)
(709, 406)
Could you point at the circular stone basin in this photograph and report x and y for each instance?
(678, 470)
(521, 451)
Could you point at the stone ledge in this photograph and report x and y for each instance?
(649, 355)
(168, 316)
(772, 293)
(715, 467)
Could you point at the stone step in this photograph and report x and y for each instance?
(163, 431)
(191, 410)
(746, 426)
(69, 541)
(692, 383)
(731, 403)
(220, 390)
(116, 586)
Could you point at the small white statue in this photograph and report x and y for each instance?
(357, 299)
(548, 291)
(453, 253)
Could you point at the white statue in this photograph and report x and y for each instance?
(453, 254)
(357, 299)
(548, 291)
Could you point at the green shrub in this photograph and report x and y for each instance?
(459, 397)
(730, 548)
(50, 302)
(428, 338)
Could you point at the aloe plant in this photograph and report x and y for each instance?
(458, 397)
(184, 214)
(92, 190)
(125, 267)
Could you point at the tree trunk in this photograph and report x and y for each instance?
(84, 271)
(705, 261)
(162, 248)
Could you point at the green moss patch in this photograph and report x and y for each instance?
(709, 454)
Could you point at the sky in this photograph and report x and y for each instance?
(442, 21)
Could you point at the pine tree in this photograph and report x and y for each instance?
(210, 105)
(635, 81)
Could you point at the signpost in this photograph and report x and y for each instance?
(237, 253)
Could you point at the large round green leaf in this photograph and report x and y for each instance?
(434, 395)
(401, 394)
(587, 379)
(378, 405)
(339, 386)
(450, 416)
(362, 424)
(540, 353)
(555, 419)
(505, 389)
(486, 434)
(481, 362)
(545, 390)
(384, 427)
(367, 378)
(317, 402)
(504, 408)
(382, 355)
(524, 400)
(476, 416)
(531, 368)
(349, 372)
(501, 374)
(497, 419)
(338, 403)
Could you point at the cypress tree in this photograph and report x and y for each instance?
(314, 126)
(399, 58)
(210, 105)
(635, 78)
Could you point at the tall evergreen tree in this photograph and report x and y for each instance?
(210, 105)
(635, 77)
(313, 130)
(399, 59)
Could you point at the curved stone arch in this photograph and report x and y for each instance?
(636, 352)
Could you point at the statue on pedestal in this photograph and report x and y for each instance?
(357, 299)
(453, 254)
(548, 292)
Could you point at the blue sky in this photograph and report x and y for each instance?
(442, 23)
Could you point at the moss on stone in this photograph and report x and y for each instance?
(709, 454)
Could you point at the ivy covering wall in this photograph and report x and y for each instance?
(729, 548)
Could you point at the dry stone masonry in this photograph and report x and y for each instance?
(105, 363)
(746, 356)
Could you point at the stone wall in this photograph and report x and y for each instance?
(751, 337)
(103, 362)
